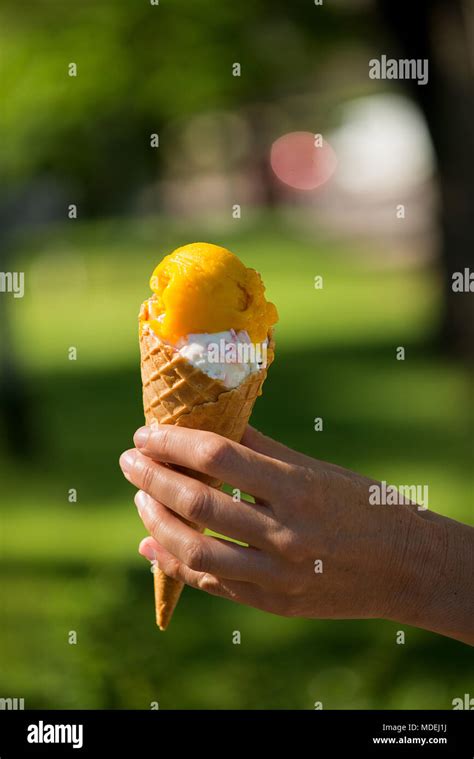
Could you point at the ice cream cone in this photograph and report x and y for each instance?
(176, 392)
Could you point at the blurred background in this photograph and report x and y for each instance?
(72, 564)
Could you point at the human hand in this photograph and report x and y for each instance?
(315, 545)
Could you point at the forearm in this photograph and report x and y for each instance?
(437, 578)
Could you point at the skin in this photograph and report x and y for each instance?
(391, 562)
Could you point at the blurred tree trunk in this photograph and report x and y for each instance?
(26, 206)
(443, 32)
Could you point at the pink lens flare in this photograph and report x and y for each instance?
(303, 160)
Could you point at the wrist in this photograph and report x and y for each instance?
(433, 582)
(419, 552)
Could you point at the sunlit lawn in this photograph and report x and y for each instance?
(74, 566)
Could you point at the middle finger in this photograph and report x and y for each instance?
(202, 553)
(199, 503)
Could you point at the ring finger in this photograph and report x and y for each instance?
(199, 552)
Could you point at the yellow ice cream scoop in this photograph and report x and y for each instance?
(202, 287)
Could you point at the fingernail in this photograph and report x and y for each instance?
(141, 436)
(127, 461)
(148, 552)
(141, 500)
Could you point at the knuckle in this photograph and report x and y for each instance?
(323, 483)
(162, 442)
(288, 543)
(173, 568)
(153, 525)
(285, 541)
(214, 452)
(306, 476)
(196, 505)
(195, 555)
(210, 584)
(147, 477)
(176, 569)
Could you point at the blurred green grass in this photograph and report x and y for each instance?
(74, 566)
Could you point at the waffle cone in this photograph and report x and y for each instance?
(176, 392)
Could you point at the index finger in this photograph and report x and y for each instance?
(211, 454)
